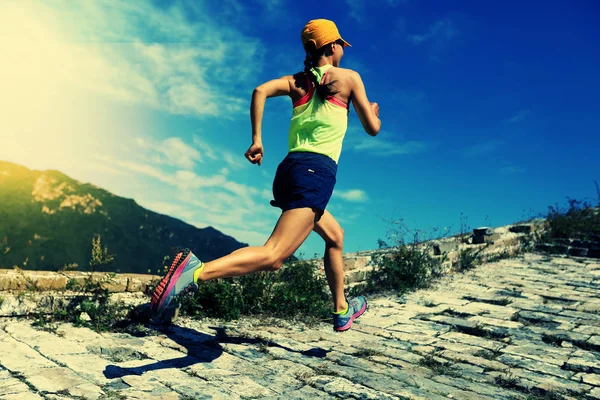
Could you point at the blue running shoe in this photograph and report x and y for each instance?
(179, 279)
(356, 307)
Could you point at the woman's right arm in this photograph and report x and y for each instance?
(368, 113)
(273, 88)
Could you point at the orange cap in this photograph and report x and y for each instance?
(321, 32)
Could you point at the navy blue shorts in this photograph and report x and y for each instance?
(304, 180)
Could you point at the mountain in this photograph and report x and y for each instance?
(48, 220)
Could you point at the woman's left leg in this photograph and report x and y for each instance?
(291, 230)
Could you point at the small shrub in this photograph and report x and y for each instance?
(406, 268)
(408, 263)
(72, 284)
(295, 291)
(30, 284)
(91, 306)
(467, 259)
(508, 380)
(580, 218)
(438, 367)
(366, 353)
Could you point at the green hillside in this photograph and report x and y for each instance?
(48, 220)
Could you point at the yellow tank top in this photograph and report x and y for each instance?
(318, 125)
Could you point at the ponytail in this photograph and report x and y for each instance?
(312, 55)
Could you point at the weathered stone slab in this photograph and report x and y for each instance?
(560, 334)
(590, 379)
(459, 337)
(20, 358)
(13, 386)
(55, 379)
(190, 386)
(583, 361)
(134, 394)
(88, 366)
(475, 390)
(549, 354)
(594, 394)
(344, 388)
(495, 322)
(474, 360)
(306, 392)
(43, 342)
(412, 338)
(420, 327)
(232, 381)
(534, 365)
(22, 396)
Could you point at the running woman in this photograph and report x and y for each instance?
(304, 181)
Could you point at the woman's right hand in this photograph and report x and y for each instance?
(375, 108)
(255, 153)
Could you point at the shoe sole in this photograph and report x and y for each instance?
(355, 316)
(164, 286)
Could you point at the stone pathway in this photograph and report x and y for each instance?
(505, 329)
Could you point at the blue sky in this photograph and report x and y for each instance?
(489, 110)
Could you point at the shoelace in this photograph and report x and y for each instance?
(192, 287)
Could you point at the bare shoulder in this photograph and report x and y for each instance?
(343, 72)
(346, 75)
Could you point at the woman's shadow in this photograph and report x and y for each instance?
(201, 347)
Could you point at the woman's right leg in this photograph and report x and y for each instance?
(333, 234)
(291, 230)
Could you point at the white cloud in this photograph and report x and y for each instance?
(139, 167)
(172, 151)
(356, 9)
(217, 153)
(352, 195)
(482, 148)
(520, 116)
(382, 147)
(133, 53)
(437, 38)
(443, 29)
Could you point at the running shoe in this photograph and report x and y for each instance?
(179, 279)
(356, 307)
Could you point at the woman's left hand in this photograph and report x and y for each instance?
(255, 153)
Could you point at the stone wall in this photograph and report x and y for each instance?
(35, 281)
(490, 241)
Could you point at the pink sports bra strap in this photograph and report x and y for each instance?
(309, 94)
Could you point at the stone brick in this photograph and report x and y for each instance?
(590, 379)
(520, 229)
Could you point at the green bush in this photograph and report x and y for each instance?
(407, 263)
(295, 291)
(467, 259)
(405, 268)
(90, 306)
(581, 218)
